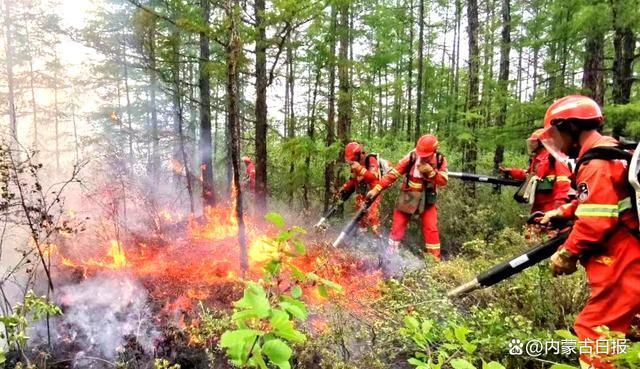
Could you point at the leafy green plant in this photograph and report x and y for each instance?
(164, 364)
(441, 345)
(33, 309)
(266, 316)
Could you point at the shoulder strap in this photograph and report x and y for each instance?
(604, 153)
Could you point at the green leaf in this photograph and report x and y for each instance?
(411, 322)
(297, 273)
(334, 286)
(283, 327)
(492, 365)
(296, 292)
(563, 333)
(299, 245)
(294, 307)
(278, 352)
(254, 301)
(276, 219)
(322, 291)
(416, 362)
(237, 343)
(462, 364)
(3, 358)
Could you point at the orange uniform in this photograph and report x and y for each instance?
(362, 180)
(251, 176)
(609, 251)
(416, 183)
(554, 184)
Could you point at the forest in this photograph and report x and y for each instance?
(210, 184)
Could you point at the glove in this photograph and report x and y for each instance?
(551, 215)
(373, 192)
(563, 262)
(427, 170)
(505, 171)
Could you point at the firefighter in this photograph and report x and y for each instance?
(604, 235)
(425, 169)
(365, 174)
(250, 174)
(552, 183)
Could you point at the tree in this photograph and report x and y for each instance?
(420, 80)
(9, 66)
(503, 78)
(261, 107)
(470, 145)
(206, 156)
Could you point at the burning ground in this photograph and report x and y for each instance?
(136, 291)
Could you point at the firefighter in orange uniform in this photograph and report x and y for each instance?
(365, 171)
(604, 236)
(552, 177)
(425, 170)
(250, 174)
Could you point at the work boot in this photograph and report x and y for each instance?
(434, 251)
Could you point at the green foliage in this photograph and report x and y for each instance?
(33, 309)
(442, 344)
(266, 317)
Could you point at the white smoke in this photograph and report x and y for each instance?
(100, 312)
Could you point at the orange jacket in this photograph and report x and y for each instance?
(366, 178)
(552, 174)
(251, 176)
(415, 181)
(603, 206)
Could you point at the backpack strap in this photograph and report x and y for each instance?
(603, 153)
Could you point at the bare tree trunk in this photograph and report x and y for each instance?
(329, 170)
(126, 93)
(420, 68)
(56, 112)
(34, 108)
(593, 75)
(155, 138)
(261, 109)
(311, 134)
(410, 70)
(470, 150)
(344, 95)
(9, 66)
(503, 78)
(206, 157)
(233, 53)
(624, 44)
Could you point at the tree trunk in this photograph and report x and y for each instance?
(410, 71)
(420, 68)
(329, 169)
(34, 110)
(344, 95)
(311, 134)
(206, 157)
(261, 109)
(503, 79)
(178, 121)
(593, 75)
(624, 44)
(9, 66)
(233, 54)
(56, 112)
(127, 97)
(470, 148)
(153, 81)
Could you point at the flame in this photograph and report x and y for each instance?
(200, 262)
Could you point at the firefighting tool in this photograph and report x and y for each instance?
(343, 197)
(514, 266)
(348, 229)
(484, 179)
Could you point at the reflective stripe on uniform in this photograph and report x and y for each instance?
(394, 172)
(432, 246)
(444, 174)
(363, 171)
(415, 185)
(563, 179)
(603, 210)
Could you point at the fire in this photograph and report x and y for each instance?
(200, 262)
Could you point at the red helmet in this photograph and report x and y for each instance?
(352, 150)
(427, 145)
(573, 106)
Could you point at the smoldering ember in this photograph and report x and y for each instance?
(319, 184)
